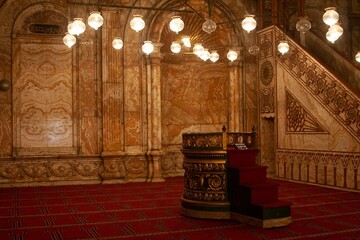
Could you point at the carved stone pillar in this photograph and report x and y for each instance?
(154, 153)
(236, 94)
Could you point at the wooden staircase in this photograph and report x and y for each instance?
(254, 199)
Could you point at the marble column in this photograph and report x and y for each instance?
(236, 94)
(154, 153)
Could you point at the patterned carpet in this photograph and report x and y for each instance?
(152, 211)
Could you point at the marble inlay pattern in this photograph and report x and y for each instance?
(325, 87)
(298, 119)
(43, 98)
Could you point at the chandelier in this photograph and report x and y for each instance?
(147, 47)
(232, 55)
(330, 16)
(117, 43)
(69, 40)
(303, 25)
(209, 26)
(249, 23)
(357, 57)
(137, 23)
(95, 20)
(175, 47)
(176, 24)
(214, 56)
(283, 47)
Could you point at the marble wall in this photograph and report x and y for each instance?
(315, 118)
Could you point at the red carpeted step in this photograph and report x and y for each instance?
(252, 174)
(260, 192)
(241, 158)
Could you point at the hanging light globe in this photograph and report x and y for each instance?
(283, 47)
(334, 32)
(137, 23)
(117, 43)
(175, 47)
(186, 41)
(205, 55)
(95, 20)
(303, 25)
(232, 55)
(176, 24)
(254, 50)
(357, 57)
(331, 36)
(70, 28)
(147, 47)
(330, 16)
(198, 49)
(79, 26)
(209, 26)
(249, 23)
(214, 56)
(69, 40)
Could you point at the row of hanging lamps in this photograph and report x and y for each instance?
(232, 55)
(147, 47)
(95, 20)
(137, 23)
(249, 23)
(283, 47)
(176, 24)
(69, 40)
(117, 43)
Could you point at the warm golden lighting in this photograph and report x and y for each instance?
(117, 43)
(137, 23)
(147, 47)
(214, 56)
(79, 26)
(205, 55)
(198, 49)
(209, 26)
(232, 55)
(357, 57)
(95, 20)
(69, 40)
(249, 23)
(283, 47)
(303, 25)
(176, 24)
(186, 41)
(175, 47)
(330, 16)
(334, 32)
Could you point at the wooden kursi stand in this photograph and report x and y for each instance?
(223, 182)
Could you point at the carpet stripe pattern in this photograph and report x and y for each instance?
(152, 211)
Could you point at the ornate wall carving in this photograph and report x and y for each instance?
(298, 119)
(338, 169)
(323, 86)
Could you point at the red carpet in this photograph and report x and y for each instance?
(152, 211)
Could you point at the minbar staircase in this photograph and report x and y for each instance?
(254, 199)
